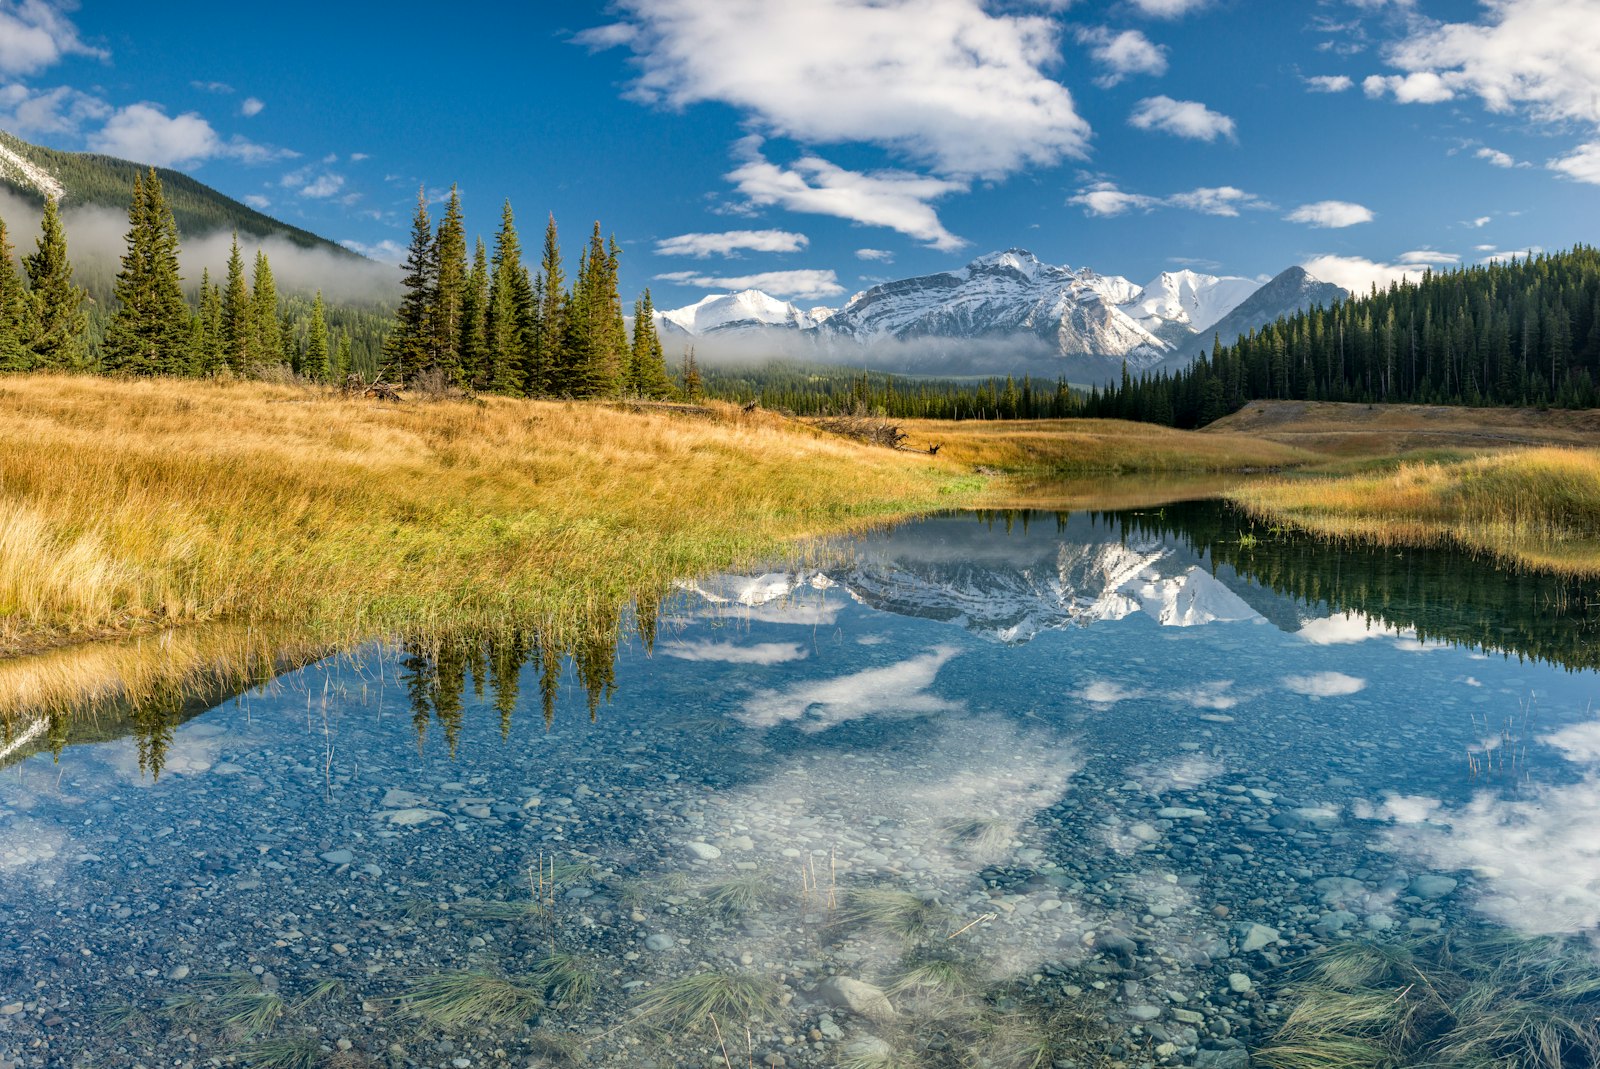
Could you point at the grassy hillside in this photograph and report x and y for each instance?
(104, 181)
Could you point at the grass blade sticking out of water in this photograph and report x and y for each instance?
(455, 999)
(908, 916)
(689, 1002)
(568, 980)
(298, 1052)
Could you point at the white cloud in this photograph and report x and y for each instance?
(1122, 54)
(882, 256)
(1343, 629)
(1582, 165)
(731, 242)
(1105, 199)
(895, 199)
(1331, 214)
(144, 133)
(1358, 274)
(251, 107)
(1217, 200)
(1329, 83)
(1181, 118)
(1478, 224)
(257, 201)
(1422, 87)
(899, 690)
(385, 252)
(731, 653)
(1495, 157)
(1324, 684)
(1426, 257)
(323, 186)
(810, 285)
(222, 88)
(35, 34)
(1101, 692)
(948, 84)
(600, 38)
(62, 110)
(1502, 255)
(1167, 9)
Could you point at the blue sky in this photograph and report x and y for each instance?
(812, 148)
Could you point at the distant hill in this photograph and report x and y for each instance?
(86, 178)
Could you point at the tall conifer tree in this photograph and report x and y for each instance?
(149, 334)
(13, 310)
(269, 334)
(316, 366)
(406, 350)
(504, 339)
(647, 367)
(238, 317)
(550, 320)
(474, 310)
(54, 331)
(210, 354)
(449, 290)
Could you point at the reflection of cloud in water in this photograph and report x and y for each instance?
(1345, 628)
(1324, 684)
(1217, 694)
(897, 690)
(731, 653)
(1536, 858)
(1579, 742)
(31, 848)
(1103, 692)
(1184, 772)
(194, 749)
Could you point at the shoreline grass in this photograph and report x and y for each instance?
(1534, 508)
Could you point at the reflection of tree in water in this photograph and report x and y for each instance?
(1440, 594)
(438, 669)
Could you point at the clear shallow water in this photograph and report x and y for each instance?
(1128, 758)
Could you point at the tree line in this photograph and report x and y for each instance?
(239, 325)
(491, 324)
(828, 391)
(1521, 332)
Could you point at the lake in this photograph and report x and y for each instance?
(1031, 788)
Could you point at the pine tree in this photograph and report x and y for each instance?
(150, 331)
(210, 354)
(54, 331)
(406, 350)
(693, 386)
(647, 367)
(504, 339)
(238, 318)
(474, 310)
(268, 341)
(13, 310)
(315, 366)
(449, 291)
(341, 362)
(550, 325)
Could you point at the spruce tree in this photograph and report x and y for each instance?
(647, 367)
(474, 310)
(316, 366)
(693, 387)
(268, 341)
(449, 291)
(55, 325)
(13, 310)
(238, 317)
(406, 349)
(342, 361)
(574, 358)
(550, 324)
(505, 353)
(210, 354)
(149, 333)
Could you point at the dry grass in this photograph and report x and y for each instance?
(1339, 429)
(130, 507)
(1074, 447)
(1535, 507)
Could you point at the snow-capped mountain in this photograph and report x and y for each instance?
(1289, 292)
(1024, 312)
(743, 312)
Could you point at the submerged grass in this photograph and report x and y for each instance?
(1536, 507)
(742, 894)
(568, 980)
(457, 999)
(910, 917)
(688, 1003)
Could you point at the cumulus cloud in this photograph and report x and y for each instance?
(251, 107)
(1357, 273)
(731, 243)
(1182, 118)
(1324, 684)
(1478, 224)
(145, 133)
(950, 85)
(1331, 214)
(323, 186)
(808, 285)
(1582, 165)
(882, 256)
(63, 110)
(1168, 9)
(1329, 83)
(732, 653)
(257, 201)
(1105, 199)
(898, 690)
(1430, 257)
(898, 200)
(1122, 54)
(1423, 87)
(35, 34)
(385, 252)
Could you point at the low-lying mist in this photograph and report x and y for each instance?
(96, 241)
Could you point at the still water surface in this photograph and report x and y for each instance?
(1133, 764)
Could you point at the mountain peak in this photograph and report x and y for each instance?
(1019, 261)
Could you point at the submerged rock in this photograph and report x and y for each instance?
(1254, 936)
(857, 996)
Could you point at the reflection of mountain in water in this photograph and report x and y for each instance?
(1011, 576)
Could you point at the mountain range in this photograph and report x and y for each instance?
(1014, 311)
